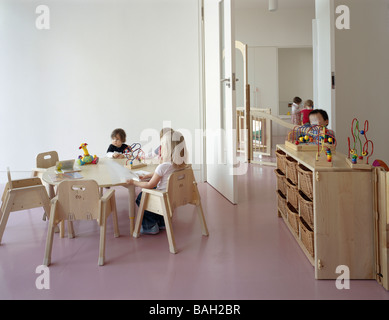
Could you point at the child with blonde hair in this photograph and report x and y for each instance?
(173, 157)
(307, 109)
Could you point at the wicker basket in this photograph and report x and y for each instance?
(307, 237)
(291, 169)
(281, 156)
(306, 209)
(305, 180)
(280, 181)
(281, 203)
(292, 195)
(293, 218)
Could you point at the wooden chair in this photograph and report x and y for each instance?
(80, 200)
(181, 190)
(45, 160)
(20, 195)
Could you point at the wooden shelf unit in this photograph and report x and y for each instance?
(343, 213)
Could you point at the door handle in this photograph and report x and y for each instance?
(227, 82)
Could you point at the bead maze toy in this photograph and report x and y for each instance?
(135, 156)
(86, 158)
(310, 138)
(313, 138)
(358, 152)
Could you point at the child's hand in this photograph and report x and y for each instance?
(130, 182)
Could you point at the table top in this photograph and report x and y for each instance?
(307, 158)
(104, 172)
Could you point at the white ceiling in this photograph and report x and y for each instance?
(282, 4)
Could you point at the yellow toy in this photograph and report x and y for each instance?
(87, 158)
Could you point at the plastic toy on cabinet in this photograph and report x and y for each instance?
(310, 138)
(358, 151)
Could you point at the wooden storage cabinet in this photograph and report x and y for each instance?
(334, 224)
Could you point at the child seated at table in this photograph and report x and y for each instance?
(117, 147)
(173, 157)
(319, 117)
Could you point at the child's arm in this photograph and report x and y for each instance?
(146, 176)
(152, 183)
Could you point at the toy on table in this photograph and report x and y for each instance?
(358, 151)
(87, 158)
(135, 156)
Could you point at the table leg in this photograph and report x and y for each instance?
(51, 191)
(131, 207)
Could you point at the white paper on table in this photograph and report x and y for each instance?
(141, 172)
(119, 173)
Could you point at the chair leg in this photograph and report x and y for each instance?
(168, 224)
(204, 228)
(4, 218)
(49, 240)
(103, 228)
(71, 233)
(62, 229)
(115, 217)
(140, 214)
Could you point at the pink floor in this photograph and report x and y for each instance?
(249, 254)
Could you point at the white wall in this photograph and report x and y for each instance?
(286, 27)
(362, 73)
(103, 64)
(295, 74)
(263, 77)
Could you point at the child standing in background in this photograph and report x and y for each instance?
(308, 107)
(296, 115)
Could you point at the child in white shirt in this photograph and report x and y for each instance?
(173, 157)
(296, 115)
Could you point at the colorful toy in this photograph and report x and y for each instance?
(359, 150)
(87, 158)
(310, 138)
(135, 156)
(313, 138)
(380, 163)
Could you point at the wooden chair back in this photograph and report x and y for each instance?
(46, 160)
(181, 188)
(78, 200)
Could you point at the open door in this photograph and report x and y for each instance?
(220, 95)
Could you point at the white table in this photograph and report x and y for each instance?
(102, 174)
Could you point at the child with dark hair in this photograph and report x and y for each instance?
(319, 117)
(117, 147)
(296, 115)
